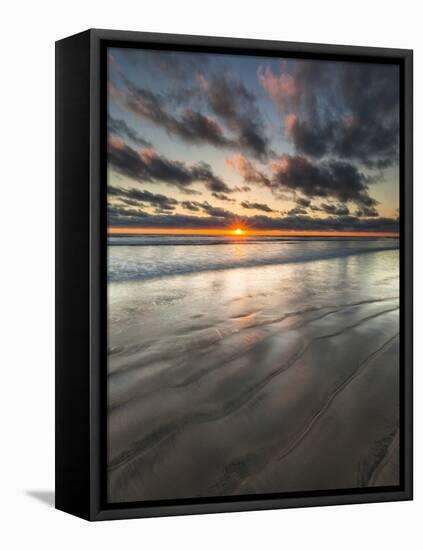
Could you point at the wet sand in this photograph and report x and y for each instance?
(255, 380)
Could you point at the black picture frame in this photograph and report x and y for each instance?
(81, 306)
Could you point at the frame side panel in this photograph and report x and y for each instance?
(72, 275)
(407, 212)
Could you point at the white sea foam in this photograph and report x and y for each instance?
(146, 257)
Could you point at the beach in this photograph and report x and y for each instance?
(250, 366)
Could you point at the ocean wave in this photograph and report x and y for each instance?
(139, 265)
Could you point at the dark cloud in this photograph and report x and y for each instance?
(335, 209)
(196, 127)
(346, 110)
(222, 197)
(247, 170)
(309, 137)
(216, 211)
(226, 97)
(297, 211)
(134, 197)
(369, 131)
(190, 126)
(335, 179)
(202, 172)
(302, 201)
(147, 166)
(332, 223)
(237, 108)
(367, 212)
(191, 205)
(119, 128)
(256, 206)
(125, 218)
(129, 202)
(207, 208)
(214, 217)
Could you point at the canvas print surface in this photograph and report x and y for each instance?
(253, 275)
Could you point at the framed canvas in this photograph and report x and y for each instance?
(234, 274)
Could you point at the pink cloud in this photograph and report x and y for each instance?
(281, 88)
(148, 154)
(245, 168)
(291, 121)
(116, 143)
(240, 164)
(281, 165)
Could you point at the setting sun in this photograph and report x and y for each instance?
(238, 231)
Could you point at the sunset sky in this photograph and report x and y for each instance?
(214, 142)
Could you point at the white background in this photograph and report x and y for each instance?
(27, 37)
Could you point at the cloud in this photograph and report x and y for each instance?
(345, 110)
(335, 179)
(147, 166)
(124, 217)
(282, 88)
(191, 126)
(191, 205)
(245, 168)
(207, 208)
(209, 216)
(309, 138)
(237, 108)
(290, 172)
(202, 172)
(196, 127)
(119, 128)
(303, 201)
(297, 211)
(135, 196)
(216, 211)
(222, 197)
(256, 206)
(367, 212)
(335, 209)
(226, 98)
(118, 217)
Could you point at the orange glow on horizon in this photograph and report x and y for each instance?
(246, 232)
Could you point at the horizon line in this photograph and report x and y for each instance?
(243, 231)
